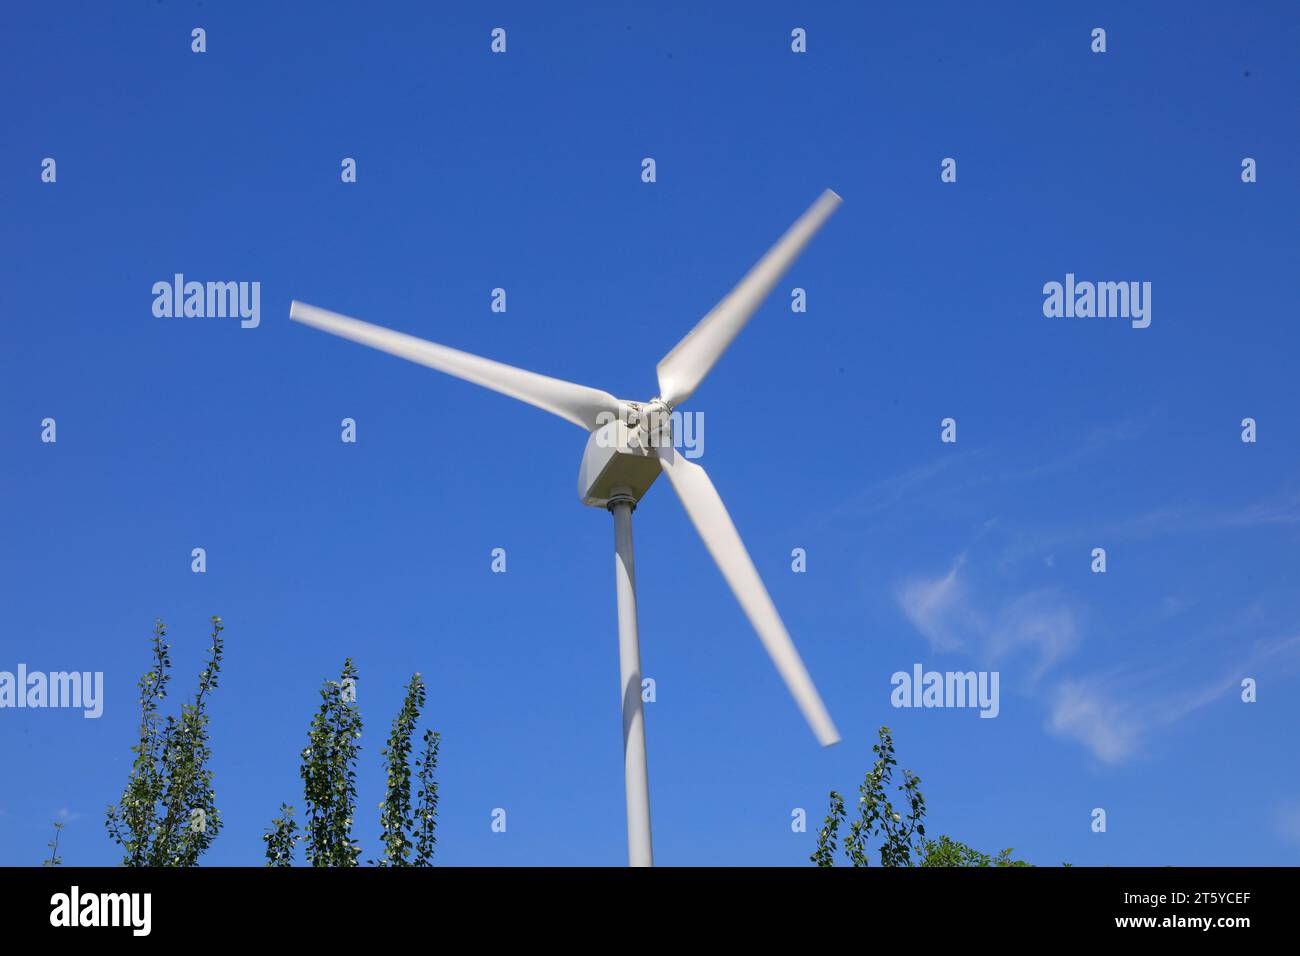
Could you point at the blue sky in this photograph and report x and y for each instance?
(522, 171)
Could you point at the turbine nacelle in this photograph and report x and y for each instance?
(622, 453)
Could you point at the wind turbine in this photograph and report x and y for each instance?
(629, 446)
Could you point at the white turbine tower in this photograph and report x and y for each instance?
(630, 444)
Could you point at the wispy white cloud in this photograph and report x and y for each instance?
(958, 474)
(1112, 714)
(938, 609)
(1038, 623)
(993, 609)
(1286, 821)
(885, 494)
(961, 476)
(1283, 511)
(1086, 713)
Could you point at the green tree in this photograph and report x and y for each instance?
(396, 820)
(408, 832)
(282, 838)
(827, 843)
(900, 835)
(948, 852)
(329, 773)
(168, 815)
(55, 859)
(329, 777)
(426, 810)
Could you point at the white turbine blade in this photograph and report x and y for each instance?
(682, 369)
(709, 515)
(576, 403)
